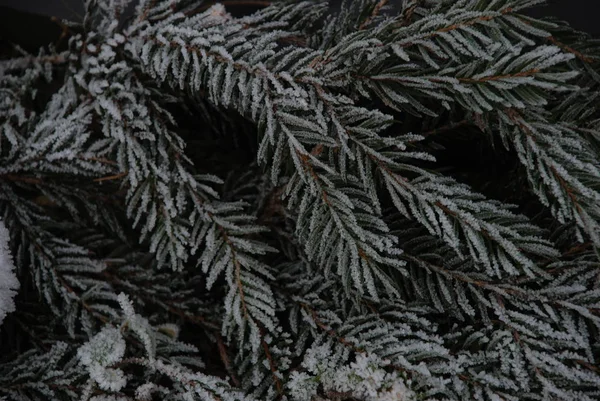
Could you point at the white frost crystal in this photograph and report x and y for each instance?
(8, 281)
(365, 378)
(103, 350)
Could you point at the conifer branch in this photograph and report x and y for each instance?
(312, 200)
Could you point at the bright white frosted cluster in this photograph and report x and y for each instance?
(108, 347)
(365, 378)
(104, 349)
(8, 281)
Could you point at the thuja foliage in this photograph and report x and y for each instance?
(301, 203)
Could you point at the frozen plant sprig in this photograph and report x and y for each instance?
(9, 284)
(104, 349)
(103, 355)
(369, 212)
(365, 378)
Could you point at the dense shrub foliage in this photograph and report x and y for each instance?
(297, 203)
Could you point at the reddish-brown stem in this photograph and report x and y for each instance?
(374, 14)
(112, 177)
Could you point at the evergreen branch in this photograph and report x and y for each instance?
(368, 333)
(463, 23)
(385, 275)
(286, 119)
(17, 381)
(519, 308)
(578, 54)
(564, 167)
(56, 264)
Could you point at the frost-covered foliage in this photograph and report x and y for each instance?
(365, 378)
(99, 365)
(8, 281)
(202, 202)
(104, 349)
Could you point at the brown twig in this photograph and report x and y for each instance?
(330, 332)
(569, 49)
(499, 77)
(112, 177)
(272, 365)
(64, 30)
(21, 178)
(374, 14)
(224, 354)
(459, 25)
(408, 13)
(146, 10)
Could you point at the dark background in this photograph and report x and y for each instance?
(17, 24)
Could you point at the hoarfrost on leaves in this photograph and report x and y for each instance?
(315, 200)
(104, 349)
(9, 283)
(364, 378)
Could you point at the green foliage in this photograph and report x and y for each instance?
(301, 204)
